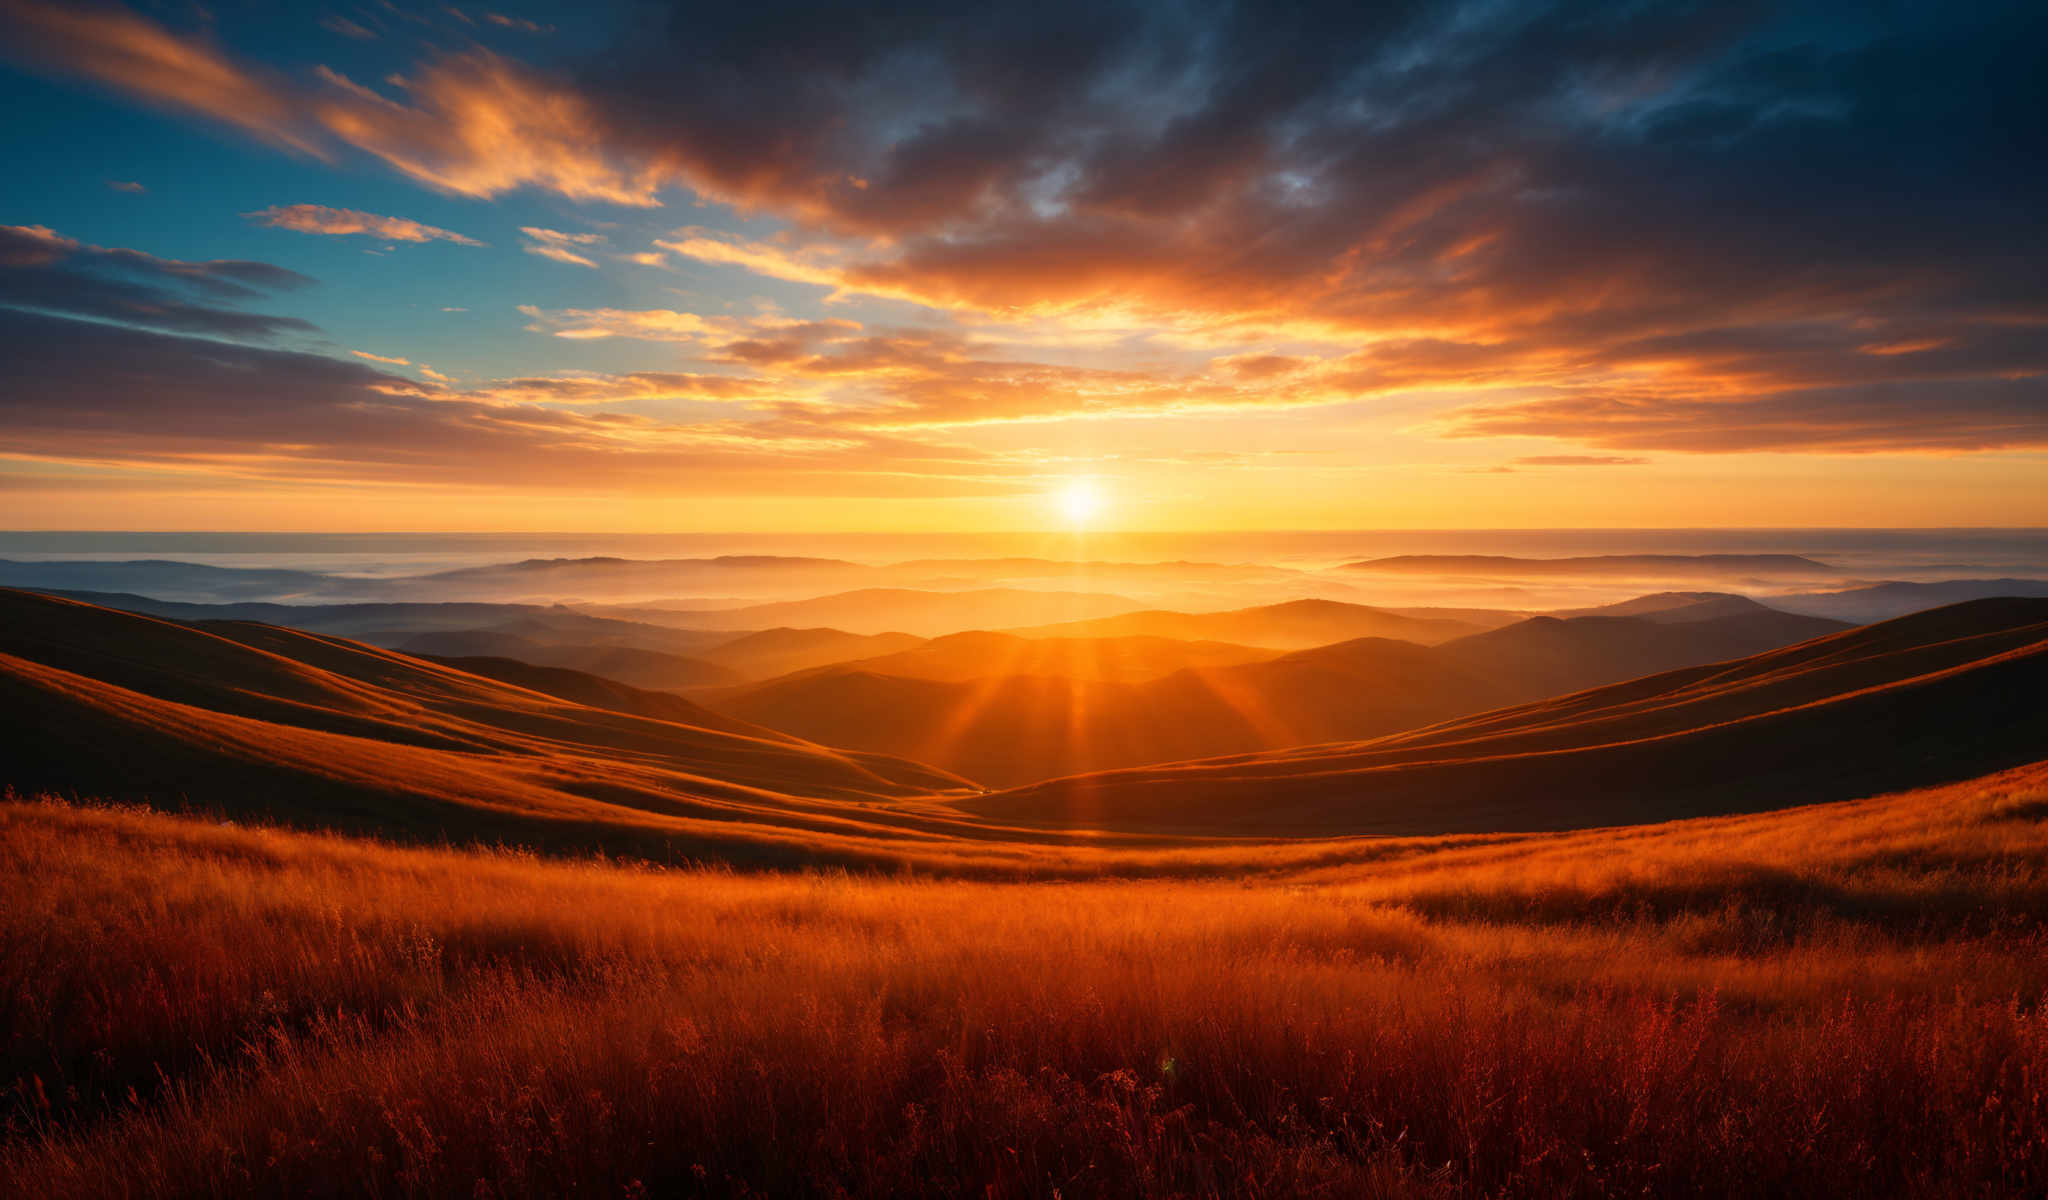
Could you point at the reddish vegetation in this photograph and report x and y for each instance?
(1833, 1000)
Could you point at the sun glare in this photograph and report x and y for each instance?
(1080, 501)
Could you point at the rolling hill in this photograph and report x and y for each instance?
(1671, 606)
(1545, 656)
(767, 653)
(1004, 729)
(1937, 696)
(627, 663)
(250, 718)
(394, 623)
(554, 634)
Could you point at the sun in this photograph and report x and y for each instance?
(1080, 501)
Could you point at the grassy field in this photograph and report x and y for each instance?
(1841, 999)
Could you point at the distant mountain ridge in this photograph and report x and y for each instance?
(1673, 606)
(1010, 729)
(1882, 601)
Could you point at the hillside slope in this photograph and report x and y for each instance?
(766, 653)
(299, 727)
(1915, 701)
(630, 664)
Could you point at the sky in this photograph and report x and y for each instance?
(1157, 266)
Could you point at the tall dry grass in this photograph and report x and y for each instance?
(1823, 1001)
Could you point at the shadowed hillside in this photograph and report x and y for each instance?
(554, 634)
(1547, 655)
(1936, 696)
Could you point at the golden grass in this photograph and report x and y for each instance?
(1832, 1000)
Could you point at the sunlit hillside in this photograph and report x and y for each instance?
(1833, 1000)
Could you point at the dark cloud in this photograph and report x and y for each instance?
(1740, 199)
(82, 391)
(43, 270)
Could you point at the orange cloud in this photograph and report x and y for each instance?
(817, 265)
(476, 124)
(318, 218)
(612, 389)
(132, 54)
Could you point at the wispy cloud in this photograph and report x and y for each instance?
(335, 23)
(1580, 460)
(559, 246)
(341, 222)
(517, 24)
